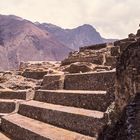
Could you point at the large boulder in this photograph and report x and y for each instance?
(83, 67)
(79, 67)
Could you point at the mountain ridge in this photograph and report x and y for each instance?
(77, 37)
(23, 40)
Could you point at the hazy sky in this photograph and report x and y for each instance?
(112, 18)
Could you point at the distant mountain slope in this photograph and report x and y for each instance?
(22, 40)
(74, 38)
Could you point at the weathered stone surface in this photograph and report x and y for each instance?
(101, 56)
(38, 65)
(84, 67)
(125, 120)
(11, 94)
(115, 51)
(34, 74)
(67, 108)
(12, 80)
(23, 128)
(91, 59)
(37, 69)
(7, 106)
(110, 61)
(53, 81)
(94, 100)
(3, 114)
(132, 36)
(128, 68)
(88, 122)
(79, 67)
(118, 42)
(90, 81)
(94, 47)
(101, 68)
(124, 45)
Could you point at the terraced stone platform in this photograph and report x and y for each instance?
(18, 94)
(66, 114)
(34, 74)
(76, 98)
(9, 100)
(79, 120)
(7, 106)
(24, 128)
(90, 81)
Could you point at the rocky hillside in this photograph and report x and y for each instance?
(22, 40)
(84, 35)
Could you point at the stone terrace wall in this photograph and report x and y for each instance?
(94, 47)
(90, 81)
(101, 54)
(91, 59)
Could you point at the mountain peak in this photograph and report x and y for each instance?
(11, 17)
(86, 26)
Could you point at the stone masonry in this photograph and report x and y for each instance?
(101, 105)
(63, 108)
(97, 54)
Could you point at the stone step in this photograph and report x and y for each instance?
(53, 81)
(90, 81)
(3, 137)
(3, 114)
(84, 121)
(24, 128)
(94, 100)
(7, 106)
(34, 74)
(19, 94)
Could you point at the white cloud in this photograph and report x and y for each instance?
(112, 18)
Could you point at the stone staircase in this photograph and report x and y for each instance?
(73, 110)
(9, 100)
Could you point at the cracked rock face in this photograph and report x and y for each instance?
(128, 71)
(127, 95)
(125, 122)
(127, 92)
